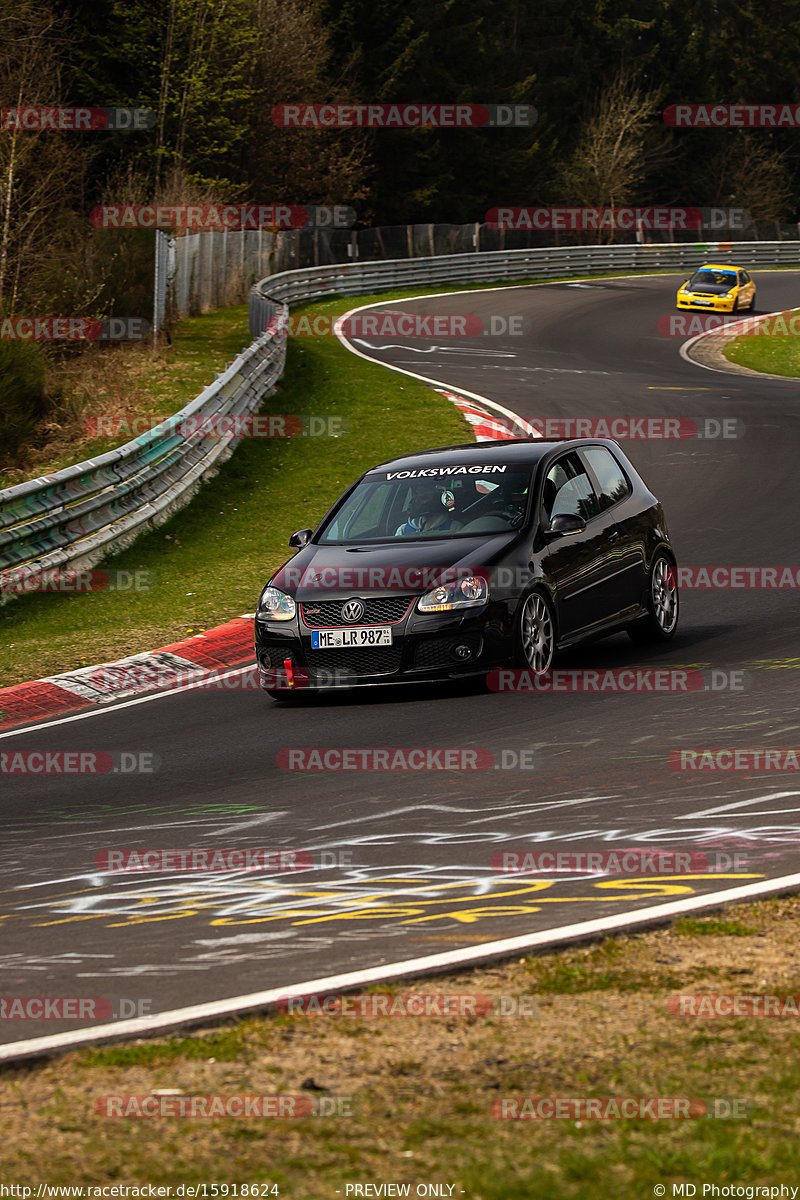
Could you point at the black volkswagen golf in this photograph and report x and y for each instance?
(463, 559)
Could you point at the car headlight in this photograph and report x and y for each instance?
(467, 593)
(276, 605)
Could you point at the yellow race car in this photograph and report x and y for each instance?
(721, 289)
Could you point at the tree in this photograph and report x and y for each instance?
(293, 62)
(39, 170)
(618, 147)
(749, 172)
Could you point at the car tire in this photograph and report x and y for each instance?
(735, 307)
(662, 604)
(535, 634)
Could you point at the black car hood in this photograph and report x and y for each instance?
(710, 289)
(410, 567)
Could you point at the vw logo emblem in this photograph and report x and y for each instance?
(353, 610)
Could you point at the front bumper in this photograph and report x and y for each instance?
(707, 303)
(425, 647)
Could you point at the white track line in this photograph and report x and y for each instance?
(426, 378)
(470, 956)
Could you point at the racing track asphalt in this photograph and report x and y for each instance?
(411, 874)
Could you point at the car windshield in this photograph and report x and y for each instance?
(436, 502)
(726, 279)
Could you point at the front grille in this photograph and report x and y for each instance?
(380, 610)
(367, 660)
(440, 652)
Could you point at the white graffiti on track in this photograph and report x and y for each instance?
(410, 897)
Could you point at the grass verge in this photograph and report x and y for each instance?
(594, 1023)
(210, 561)
(775, 349)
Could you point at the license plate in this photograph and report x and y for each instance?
(358, 635)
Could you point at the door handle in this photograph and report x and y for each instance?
(614, 536)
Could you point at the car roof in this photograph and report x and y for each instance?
(719, 267)
(514, 451)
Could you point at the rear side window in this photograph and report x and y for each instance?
(568, 489)
(611, 480)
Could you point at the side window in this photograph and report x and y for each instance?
(744, 277)
(568, 489)
(613, 484)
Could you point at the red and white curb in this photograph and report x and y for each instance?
(487, 426)
(198, 660)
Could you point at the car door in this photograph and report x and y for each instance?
(580, 567)
(626, 576)
(747, 290)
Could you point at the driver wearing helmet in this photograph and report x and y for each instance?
(427, 512)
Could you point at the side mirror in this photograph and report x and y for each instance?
(300, 539)
(565, 524)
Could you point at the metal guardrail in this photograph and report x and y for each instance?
(353, 279)
(80, 515)
(84, 513)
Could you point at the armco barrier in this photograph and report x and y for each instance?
(84, 513)
(492, 266)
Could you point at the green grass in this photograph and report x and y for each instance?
(134, 380)
(224, 1046)
(711, 927)
(775, 350)
(210, 561)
